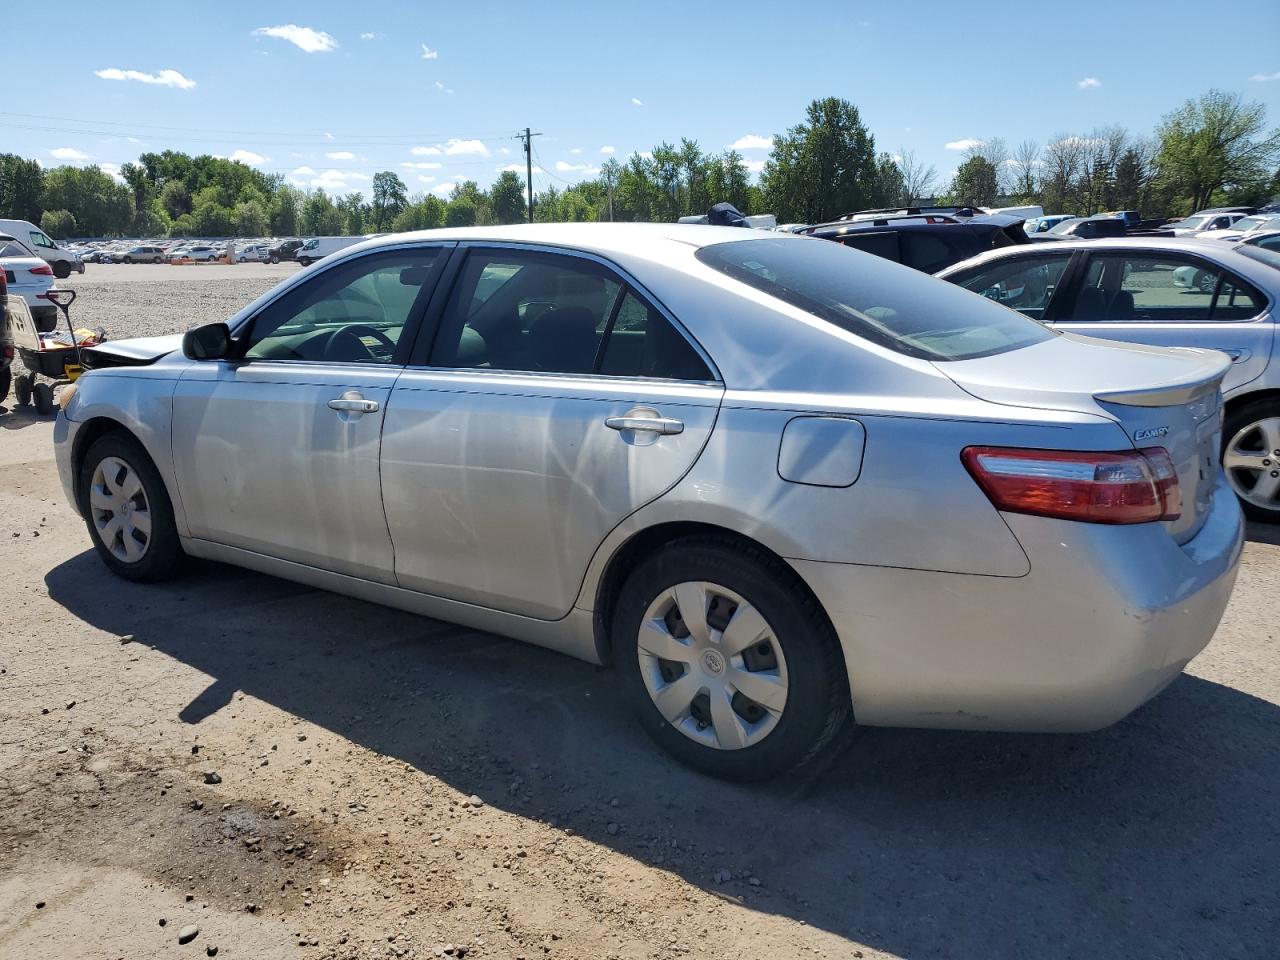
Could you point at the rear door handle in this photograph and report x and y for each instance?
(352, 402)
(663, 425)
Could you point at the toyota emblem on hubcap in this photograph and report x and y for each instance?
(713, 662)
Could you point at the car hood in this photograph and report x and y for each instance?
(135, 352)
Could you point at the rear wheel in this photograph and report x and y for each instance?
(727, 660)
(305, 261)
(128, 259)
(62, 269)
(157, 259)
(127, 510)
(42, 397)
(1206, 281)
(1251, 458)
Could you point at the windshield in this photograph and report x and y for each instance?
(1063, 226)
(891, 305)
(1191, 223)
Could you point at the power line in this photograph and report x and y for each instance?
(527, 137)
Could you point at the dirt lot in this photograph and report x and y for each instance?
(389, 786)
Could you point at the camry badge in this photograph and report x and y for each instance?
(1150, 433)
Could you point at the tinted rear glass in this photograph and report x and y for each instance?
(888, 304)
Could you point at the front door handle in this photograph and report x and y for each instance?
(352, 402)
(663, 425)
(1236, 355)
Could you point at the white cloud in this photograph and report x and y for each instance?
(645, 155)
(341, 155)
(303, 171)
(637, 101)
(133, 139)
(426, 151)
(752, 141)
(565, 167)
(443, 188)
(429, 54)
(304, 38)
(248, 157)
(328, 135)
(68, 153)
(422, 179)
(337, 181)
(517, 168)
(368, 36)
(754, 166)
(1088, 83)
(457, 148)
(504, 150)
(575, 151)
(422, 165)
(112, 170)
(606, 149)
(968, 143)
(165, 78)
(1265, 77)
(441, 87)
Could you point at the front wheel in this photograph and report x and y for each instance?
(1251, 458)
(275, 259)
(305, 261)
(727, 660)
(127, 510)
(157, 260)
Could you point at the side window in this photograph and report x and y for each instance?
(643, 343)
(927, 252)
(38, 239)
(1270, 243)
(881, 244)
(353, 313)
(1145, 288)
(1026, 284)
(1236, 300)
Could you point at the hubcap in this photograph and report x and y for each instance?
(712, 665)
(1252, 462)
(119, 508)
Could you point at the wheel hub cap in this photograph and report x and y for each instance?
(1252, 462)
(119, 510)
(712, 665)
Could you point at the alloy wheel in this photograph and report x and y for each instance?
(119, 508)
(712, 665)
(1252, 462)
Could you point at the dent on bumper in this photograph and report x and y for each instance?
(1106, 618)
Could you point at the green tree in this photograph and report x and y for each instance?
(889, 187)
(975, 183)
(58, 224)
(286, 212)
(101, 206)
(21, 187)
(390, 196)
(353, 210)
(506, 198)
(212, 219)
(320, 218)
(250, 219)
(425, 214)
(462, 212)
(175, 198)
(821, 168)
(1215, 142)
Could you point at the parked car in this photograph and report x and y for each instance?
(318, 247)
(1199, 222)
(143, 254)
(1085, 228)
(1048, 222)
(40, 244)
(29, 278)
(1265, 239)
(871, 492)
(926, 242)
(1243, 226)
(285, 250)
(200, 253)
(252, 253)
(1166, 292)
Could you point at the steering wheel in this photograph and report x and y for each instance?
(343, 340)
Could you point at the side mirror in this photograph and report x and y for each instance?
(210, 342)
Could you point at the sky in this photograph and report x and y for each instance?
(327, 93)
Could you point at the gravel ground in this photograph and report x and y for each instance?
(145, 300)
(298, 774)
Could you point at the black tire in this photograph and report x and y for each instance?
(46, 319)
(6, 377)
(1236, 421)
(42, 397)
(62, 269)
(163, 558)
(818, 700)
(275, 259)
(157, 259)
(1206, 281)
(128, 259)
(305, 261)
(22, 389)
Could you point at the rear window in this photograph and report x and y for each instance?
(1264, 251)
(890, 305)
(11, 248)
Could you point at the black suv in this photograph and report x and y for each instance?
(926, 240)
(285, 250)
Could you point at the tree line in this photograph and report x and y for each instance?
(1210, 150)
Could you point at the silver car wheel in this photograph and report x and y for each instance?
(712, 665)
(1252, 462)
(121, 514)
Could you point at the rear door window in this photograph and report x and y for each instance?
(1160, 288)
(1026, 284)
(881, 244)
(927, 251)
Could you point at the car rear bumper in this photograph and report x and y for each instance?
(1105, 619)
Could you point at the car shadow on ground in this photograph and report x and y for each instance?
(1157, 837)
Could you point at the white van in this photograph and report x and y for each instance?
(40, 245)
(318, 247)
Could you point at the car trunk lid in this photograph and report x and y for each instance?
(1160, 397)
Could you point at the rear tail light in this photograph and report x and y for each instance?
(44, 270)
(6, 352)
(1137, 486)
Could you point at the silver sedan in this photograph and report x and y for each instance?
(771, 480)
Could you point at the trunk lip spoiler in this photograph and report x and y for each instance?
(1206, 378)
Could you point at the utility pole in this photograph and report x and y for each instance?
(527, 137)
